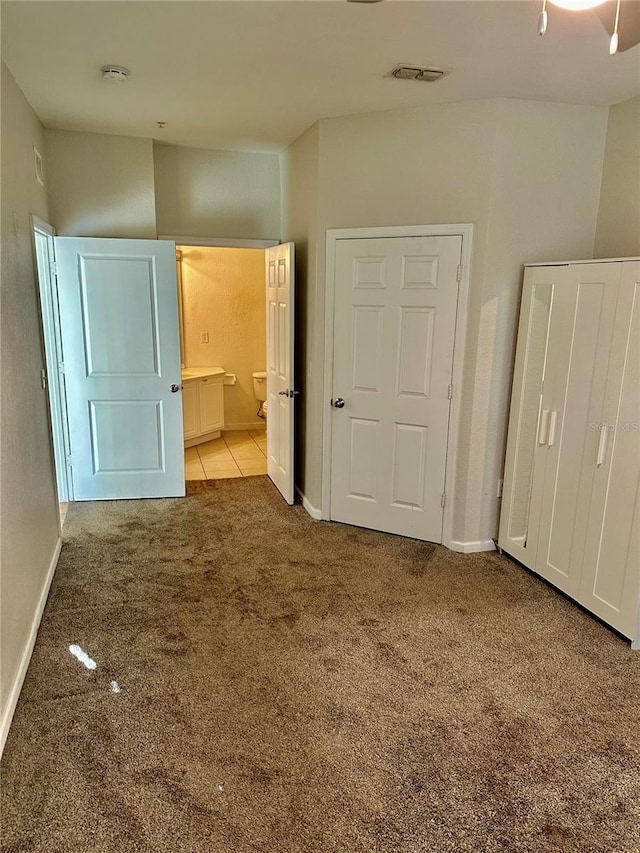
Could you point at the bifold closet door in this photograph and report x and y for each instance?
(572, 398)
(610, 585)
(518, 522)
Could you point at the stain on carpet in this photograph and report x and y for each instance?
(291, 686)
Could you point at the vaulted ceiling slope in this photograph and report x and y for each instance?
(254, 75)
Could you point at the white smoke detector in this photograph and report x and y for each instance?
(115, 73)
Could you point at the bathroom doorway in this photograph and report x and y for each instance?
(221, 298)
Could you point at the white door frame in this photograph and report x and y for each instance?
(56, 392)
(333, 235)
(220, 242)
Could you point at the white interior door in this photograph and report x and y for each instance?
(45, 257)
(119, 320)
(394, 329)
(280, 388)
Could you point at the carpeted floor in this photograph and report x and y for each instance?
(291, 686)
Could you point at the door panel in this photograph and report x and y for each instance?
(119, 320)
(211, 405)
(394, 327)
(611, 575)
(534, 367)
(190, 409)
(583, 313)
(280, 373)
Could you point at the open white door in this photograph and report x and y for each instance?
(280, 389)
(120, 340)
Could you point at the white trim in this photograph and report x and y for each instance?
(41, 225)
(465, 231)
(313, 512)
(14, 694)
(219, 242)
(472, 547)
(572, 263)
(52, 348)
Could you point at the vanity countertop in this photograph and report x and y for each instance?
(201, 372)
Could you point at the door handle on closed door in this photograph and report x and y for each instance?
(553, 419)
(543, 431)
(338, 403)
(602, 446)
(175, 388)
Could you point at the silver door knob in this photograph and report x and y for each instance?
(175, 388)
(338, 403)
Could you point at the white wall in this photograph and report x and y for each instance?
(207, 193)
(224, 295)
(100, 185)
(543, 207)
(526, 175)
(618, 233)
(299, 183)
(29, 510)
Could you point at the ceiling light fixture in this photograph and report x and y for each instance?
(580, 6)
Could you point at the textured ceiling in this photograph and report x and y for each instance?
(254, 75)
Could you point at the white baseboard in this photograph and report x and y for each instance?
(472, 547)
(313, 512)
(12, 701)
(251, 425)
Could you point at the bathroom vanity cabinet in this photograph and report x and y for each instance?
(202, 404)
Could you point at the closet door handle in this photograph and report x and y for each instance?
(602, 446)
(543, 431)
(553, 419)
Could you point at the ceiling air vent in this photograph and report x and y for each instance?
(418, 72)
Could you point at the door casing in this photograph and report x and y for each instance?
(332, 236)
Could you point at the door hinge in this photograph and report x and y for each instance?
(68, 460)
(61, 368)
(53, 267)
(43, 378)
(450, 392)
(459, 272)
(443, 499)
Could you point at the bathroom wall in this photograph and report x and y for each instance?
(224, 295)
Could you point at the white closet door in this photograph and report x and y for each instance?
(395, 315)
(610, 585)
(518, 522)
(584, 312)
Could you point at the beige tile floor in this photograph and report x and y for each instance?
(239, 453)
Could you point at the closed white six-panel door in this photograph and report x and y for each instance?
(394, 331)
(119, 320)
(280, 367)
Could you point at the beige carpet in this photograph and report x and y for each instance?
(291, 686)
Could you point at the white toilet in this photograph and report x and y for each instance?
(260, 390)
